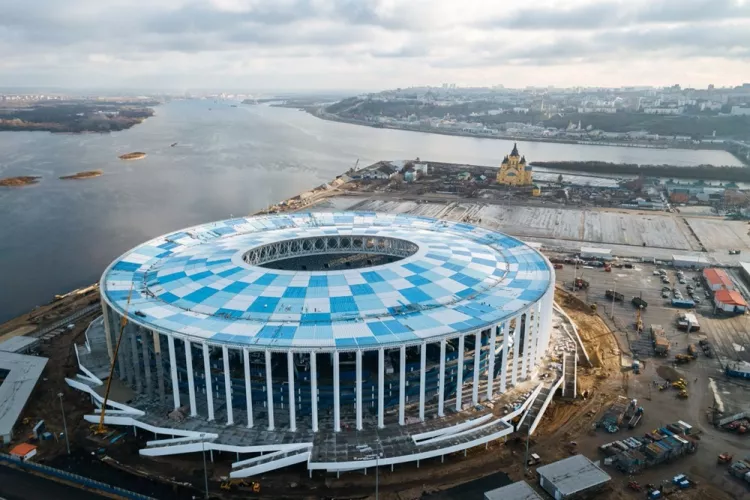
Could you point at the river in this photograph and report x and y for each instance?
(59, 235)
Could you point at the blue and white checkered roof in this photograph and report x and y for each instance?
(194, 283)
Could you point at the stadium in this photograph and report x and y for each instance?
(293, 326)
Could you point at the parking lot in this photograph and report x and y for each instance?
(728, 334)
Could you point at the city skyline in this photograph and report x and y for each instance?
(373, 44)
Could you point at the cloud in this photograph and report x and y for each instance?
(370, 43)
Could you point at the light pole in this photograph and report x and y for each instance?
(65, 423)
(205, 471)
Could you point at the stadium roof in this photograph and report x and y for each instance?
(195, 283)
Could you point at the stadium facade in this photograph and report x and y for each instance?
(327, 318)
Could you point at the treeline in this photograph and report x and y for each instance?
(704, 172)
(78, 117)
(695, 126)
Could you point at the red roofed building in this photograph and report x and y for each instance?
(730, 301)
(717, 279)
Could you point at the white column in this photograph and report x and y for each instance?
(477, 357)
(422, 370)
(381, 383)
(248, 387)
(358, 357)
(269, 389)
(491, 361)
(537, 334)
(402, 385)
(441, 380)
(292, 402)
(209, 388)
(314, 389)
(227, 385)
(525, 369)
(516, 337)
(460, 373)
(504, 366)
(191, 379)
(336, 388)
(173, 369)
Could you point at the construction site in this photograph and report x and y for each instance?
(639, 385)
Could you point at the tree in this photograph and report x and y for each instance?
(560, 179)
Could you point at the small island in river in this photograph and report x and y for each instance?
(23, 180)
(136, 155)
(88, 174)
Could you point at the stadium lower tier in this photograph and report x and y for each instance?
(171, 370)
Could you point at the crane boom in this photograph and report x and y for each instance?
(123, 321)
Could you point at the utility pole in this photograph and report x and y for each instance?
(65, 423)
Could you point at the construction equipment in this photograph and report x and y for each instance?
(724, 458)
(692, 351)
(534, 460)
(639, 302)
(681, 359)
(580, 284)
(638, 321)
(100, 429)
(231, 484)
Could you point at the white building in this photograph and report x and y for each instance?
(740, 110)
(696, 261)
(596, 253)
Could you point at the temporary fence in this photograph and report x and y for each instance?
(70, 477)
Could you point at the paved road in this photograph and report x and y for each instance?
(17, 485)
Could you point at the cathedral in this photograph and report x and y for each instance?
(514, 171)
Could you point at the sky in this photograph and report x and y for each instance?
(372, 44)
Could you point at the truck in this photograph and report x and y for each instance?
(692, 351)
(683, 303)
(611, 294)
(580, 284)
(639, 302)
(659, 338)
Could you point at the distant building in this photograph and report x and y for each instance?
(515, 491)
(514, 171)
(596, 253)
(730, 301)
(717, 279)
(740, 110)
(693, 261)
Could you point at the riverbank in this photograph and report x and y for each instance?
(136, 155)
(701, 172)
(318, 113)
(89, 174)
(23, 180)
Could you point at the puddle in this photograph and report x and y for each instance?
(667, 372)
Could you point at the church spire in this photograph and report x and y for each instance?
(515, 150)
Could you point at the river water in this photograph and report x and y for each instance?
(59, 235)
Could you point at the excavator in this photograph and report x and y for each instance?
(100, 429)
(638, 321)
(230, 484)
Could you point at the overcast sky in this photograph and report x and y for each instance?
(372, 44)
